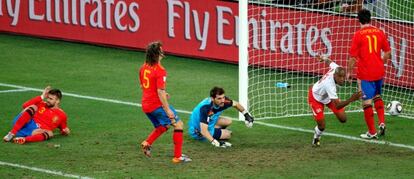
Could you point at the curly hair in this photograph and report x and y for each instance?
(153, 52)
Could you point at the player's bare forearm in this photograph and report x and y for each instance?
(162, 94)
(238, 106)
(350, 64)
(205, 133)
(386, 57)
(342, 104)
(324, 59)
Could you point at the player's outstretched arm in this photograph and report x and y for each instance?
(350, 68)
(248, 119)
(163, 96)
(324, 59)
(340, 104)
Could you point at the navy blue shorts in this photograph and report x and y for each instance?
(217, 133)
(159, 117)
(371, 88)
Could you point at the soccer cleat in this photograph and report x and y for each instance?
(316, 142)
(382, 129)
(182, 159)
(8, 137)
(146, 148)
(19, 140)
(369, 136)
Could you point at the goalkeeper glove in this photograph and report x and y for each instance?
(248, 120)
(222, 144)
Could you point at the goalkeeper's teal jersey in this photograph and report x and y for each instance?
(207, 113)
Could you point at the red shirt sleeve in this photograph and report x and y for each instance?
(354, 46)
(63, 121)
(161, 78)
(385, 44)
(33, 101)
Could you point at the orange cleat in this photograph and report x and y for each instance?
(19, 140)
(146, 148)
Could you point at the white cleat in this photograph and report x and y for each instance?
(369, 136)
(183, 159)
(8, 137)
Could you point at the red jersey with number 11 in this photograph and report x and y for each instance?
(151, 79)
(366, 47)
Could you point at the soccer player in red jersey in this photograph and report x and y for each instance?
(40, 116)
(152, 76)
(367, 44)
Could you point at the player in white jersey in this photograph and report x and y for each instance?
(324, 93)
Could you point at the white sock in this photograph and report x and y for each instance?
(318, 133)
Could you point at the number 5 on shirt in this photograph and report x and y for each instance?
(146, 83)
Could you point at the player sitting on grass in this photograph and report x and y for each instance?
(206, 122)
(40, 116)
(324, 93)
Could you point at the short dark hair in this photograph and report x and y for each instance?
(56, 92)
(364, 16)
(153, 52)
(216, 91)
(340, 71)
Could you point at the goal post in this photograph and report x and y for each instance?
(243, 56)
(278, 44)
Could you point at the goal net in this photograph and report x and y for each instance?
(284, 38)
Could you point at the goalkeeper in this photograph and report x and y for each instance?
(207, 124)
(324, 93)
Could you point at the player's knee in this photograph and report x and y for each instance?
(321, 125)
(229, 122)
(31, 110)
(226, 134)
(376, 98)
(179, 125)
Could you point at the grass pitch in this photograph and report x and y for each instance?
(105, 135)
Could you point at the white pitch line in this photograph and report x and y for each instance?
(257, 122)
(44, 170)
(338, 135)
(14, 90)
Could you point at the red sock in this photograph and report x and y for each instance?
(178, 142)
(21, 121)
(379, 107)
(369, 119)
(155, 134)
(37, 137)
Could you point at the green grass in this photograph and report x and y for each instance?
(104, 138)
(402, 9)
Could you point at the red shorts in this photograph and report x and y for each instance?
(317, 107)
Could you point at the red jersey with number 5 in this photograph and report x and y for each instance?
(366, 47)
(151, 79)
